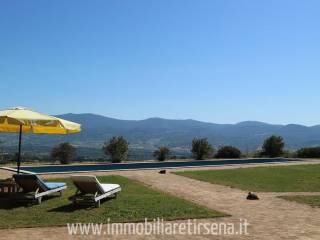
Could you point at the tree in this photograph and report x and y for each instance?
(65, 152)
(201, 149)
(228, 152)
(273, 146)
(117, 148)
(311, 152)
(161, 153)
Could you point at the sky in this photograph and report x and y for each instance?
(221, 61)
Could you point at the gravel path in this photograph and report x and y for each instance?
(270, 217)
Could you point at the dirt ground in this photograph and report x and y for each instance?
(269, 218)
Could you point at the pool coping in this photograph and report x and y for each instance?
(282, 160)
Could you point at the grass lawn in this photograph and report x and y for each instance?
(134, 203)
(313, 201)
(298, 178)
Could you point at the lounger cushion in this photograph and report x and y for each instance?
(54, 185)
(109, 187)
(87, 184)
(90, 184)
(31, 182)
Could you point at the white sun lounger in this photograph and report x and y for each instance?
(33, 188)
(91, 191)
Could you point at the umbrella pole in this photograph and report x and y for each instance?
(19, 153)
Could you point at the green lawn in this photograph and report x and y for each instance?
(134, 203)
(313, 201)
(298, 178)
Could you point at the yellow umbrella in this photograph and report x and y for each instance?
(24, 120)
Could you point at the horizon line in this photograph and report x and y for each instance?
(189, 119)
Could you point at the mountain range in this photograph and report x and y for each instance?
(177, 134)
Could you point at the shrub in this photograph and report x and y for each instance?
(117, 148)
(161, 153)
(311, 152)
(273, 146)
(289, 154)
(256, 154)
(201, 149)
(65, 152)
(228, 152)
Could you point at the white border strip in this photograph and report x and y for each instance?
(180, 161)
(137, 169)
(16, 170)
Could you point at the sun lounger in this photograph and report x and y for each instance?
(91, 191)
(33, 188)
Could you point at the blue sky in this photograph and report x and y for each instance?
(220, 61)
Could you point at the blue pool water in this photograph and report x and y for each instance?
(145, 165)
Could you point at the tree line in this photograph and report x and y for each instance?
(117, 148)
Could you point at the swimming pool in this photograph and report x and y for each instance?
(145, 165)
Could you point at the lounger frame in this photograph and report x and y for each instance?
(38, 195)
(89, 199)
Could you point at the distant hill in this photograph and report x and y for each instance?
(153, 132)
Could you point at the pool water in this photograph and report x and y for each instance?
(145, 165)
